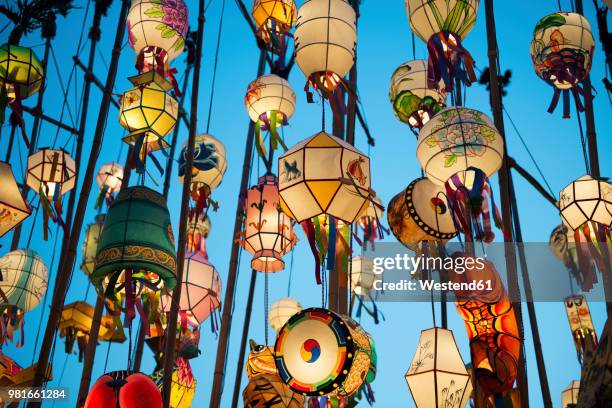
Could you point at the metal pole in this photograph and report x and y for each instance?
(504, 186)
(243, 341)
(65, 270)
(228, 301)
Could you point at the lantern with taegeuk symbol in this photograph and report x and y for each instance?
(562, 51)
(437, 376)
(325, 42)
(459, 149)
(274, 19)
(268, 232)
(51, 173)
(569, 396)
(443, 24)
(268, 390)
(13, 208)
(74, 326)
(414, 103)
(109, 179)
(124, 389)
(24, 282)
(581, 323)
(320, 353)
(281, 311)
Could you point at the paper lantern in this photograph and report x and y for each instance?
(74, 326)
(569, 396)
(13, 375)
(562, 51)
(51, 172)
(109, 179)
(90, 244)
(581, 323)
(460, 148)
(281, 311)
(159, 24)
(421, 213)
(362, 275)
(369, 222)
(274, 19)
(437, 376)
(13, 208)
(183, 386)
(414, 103)
(136, 246)
(123, 389)
(198, 228)
(209, 165)
(321, 353)
(200, 293)
(268, 232)
(324, 175)
(325, 42)
(269, 391)
(577, 258)
(260, 360)
(443, 24)
(21, 72)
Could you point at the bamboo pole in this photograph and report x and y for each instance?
(65, 270)
(504, 186)
(243, 341)
(228, 301)
(176, 292)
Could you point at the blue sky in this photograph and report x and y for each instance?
(384, 42)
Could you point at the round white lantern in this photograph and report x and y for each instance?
(586, 200)
(209, 162)
(428, 17)
(24, 279)
(281, 311)
(109, 177)
(269, 95)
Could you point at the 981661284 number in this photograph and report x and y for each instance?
(16, 394)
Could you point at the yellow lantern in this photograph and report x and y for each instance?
(569, 396)
(414, 103)
(562, 52)
(74, 325)
(183, 386)
(268, 232)
(281, 311)
(21, 73)
(325, 42)
(274, 19)
(90, 244)
(158, 25)
(362, 275)
(437, 376)
(13, 375)
(324, 175)
(13, 208)
(443, 24)
(581, 324)
(260, 360)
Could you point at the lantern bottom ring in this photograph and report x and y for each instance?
(267, 260)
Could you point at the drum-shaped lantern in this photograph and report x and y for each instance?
(136, 236)
(13, 208)
(414, 103)
(209, 163)
(21, 72)
(321, 353)
(325, 42)
(324, 175)
(281, 311)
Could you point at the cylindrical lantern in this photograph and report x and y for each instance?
(109, 179)
(325, 42)
(90, 244)
(421, 213)
(321, 353)
(51, 172)
(21, 73)
(437, 376)
(123, 389)
(268, 232)
(581, 324)
(414, 103)
(200, 293)
(24, 279)
(569, 396)
(443, 24)
(260, 360)
(209, 165)
(562, 51)
(136, 238)
(267, 390)
(324, 175)
(159, 24)
(13, 208)
(75, 323)
(281, 311)
(362, 275)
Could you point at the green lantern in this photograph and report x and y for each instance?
(136, 238)
(21, 72)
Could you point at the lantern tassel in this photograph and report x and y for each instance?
(448, 59)
(309, 230)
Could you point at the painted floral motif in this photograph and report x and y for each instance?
(451, 395)
(173, 14)
(424, 354)
(461, 136)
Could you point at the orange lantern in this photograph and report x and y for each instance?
(274, 19)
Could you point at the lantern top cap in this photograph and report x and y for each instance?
(323, 140)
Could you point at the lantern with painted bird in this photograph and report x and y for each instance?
(460, 149)
(274, 19)
(413, 101)
(124, 389)
(109, 179)
(443, 25)
(562, 52)
(13, 208)
(24, 282)
(325, 42)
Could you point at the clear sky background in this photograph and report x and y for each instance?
(384, 42)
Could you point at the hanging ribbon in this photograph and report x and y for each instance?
(448, 60)
(567, 67)
(309, 230)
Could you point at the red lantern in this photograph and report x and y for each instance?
(122, 389)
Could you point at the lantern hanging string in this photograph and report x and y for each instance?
(214, 76)
(61, 377)
(583, 143)
(290, 274)
(266, 288)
